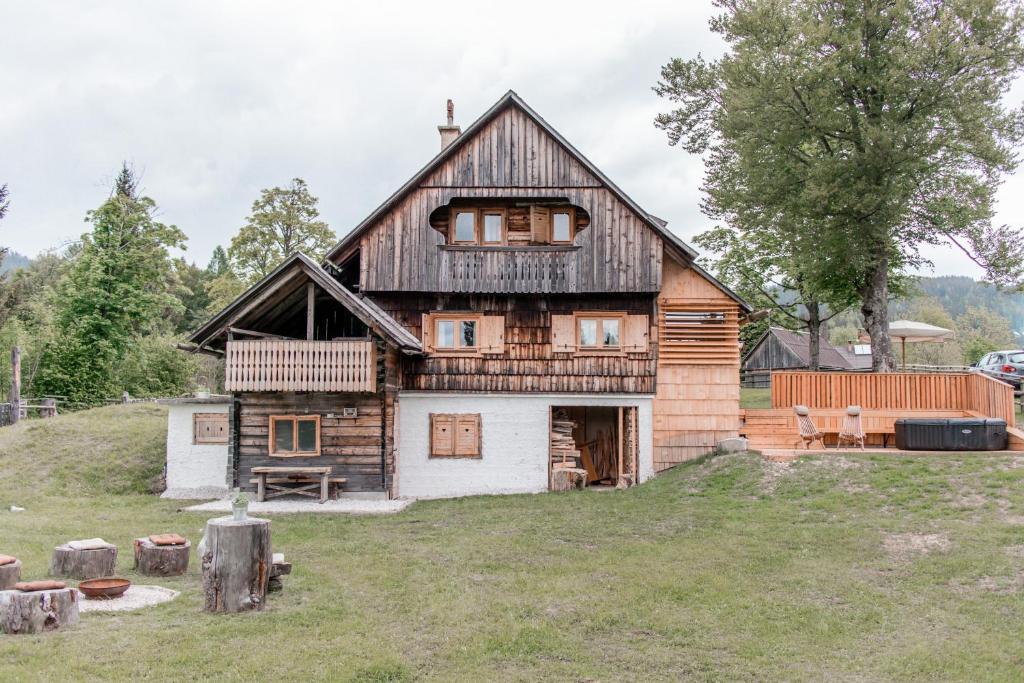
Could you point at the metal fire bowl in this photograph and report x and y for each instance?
(104, 589)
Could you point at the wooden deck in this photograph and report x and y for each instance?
(884, 398)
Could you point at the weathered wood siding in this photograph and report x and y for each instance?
(772, 354)
(354, 447)
(511, 158)
(529, 364)
(695, 406)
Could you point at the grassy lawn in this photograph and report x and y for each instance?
(848, 567)
(755, 398)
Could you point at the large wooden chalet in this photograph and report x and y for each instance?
(507, 311)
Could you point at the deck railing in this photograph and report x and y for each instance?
(895, 391)
(286, 365)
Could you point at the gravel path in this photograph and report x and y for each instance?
(135, 597)
(351, 506)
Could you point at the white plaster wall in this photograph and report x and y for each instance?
(513, 436)
(194, 470)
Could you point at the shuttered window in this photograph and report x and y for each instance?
(455, 435)
(694, 334)
(599, 332)
(463, 334)
(209, 428)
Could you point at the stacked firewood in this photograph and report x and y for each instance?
(563, 446)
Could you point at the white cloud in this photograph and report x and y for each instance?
(214, 101)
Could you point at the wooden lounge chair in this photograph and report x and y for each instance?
(853, 429)
(809, 432)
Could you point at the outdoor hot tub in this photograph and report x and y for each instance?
(951, 434)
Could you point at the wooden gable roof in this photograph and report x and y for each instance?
(288, 278)
(513, 152)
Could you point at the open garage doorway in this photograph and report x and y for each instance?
(594, 446)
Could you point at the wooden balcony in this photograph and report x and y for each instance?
(286, 365)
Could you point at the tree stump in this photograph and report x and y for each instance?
(236, 564)
(83, 564)
(38, 611)
(161, 560)
(568, 478)
(10, 574)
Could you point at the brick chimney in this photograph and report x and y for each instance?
(449, 131)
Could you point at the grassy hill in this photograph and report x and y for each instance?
(846, 567)
(114, 450)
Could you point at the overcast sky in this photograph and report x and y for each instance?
(213, 101)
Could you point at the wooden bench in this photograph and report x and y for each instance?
(314, 482)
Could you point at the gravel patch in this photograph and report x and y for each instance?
(343, 506)
(136, 597)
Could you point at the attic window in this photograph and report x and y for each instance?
(465, 226)
(507, 222)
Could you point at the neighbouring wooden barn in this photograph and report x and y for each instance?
(782, 349)
(507, 313)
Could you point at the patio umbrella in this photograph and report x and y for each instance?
(909, 331)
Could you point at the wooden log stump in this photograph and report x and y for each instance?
(83, 564)
(161, 560)
(38, 611)
(236, 564)
(568, 478)
(10, 574)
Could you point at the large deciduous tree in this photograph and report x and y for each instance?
(875, 125)
(283, 221)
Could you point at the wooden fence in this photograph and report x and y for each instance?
(972, 392)
(272, 365)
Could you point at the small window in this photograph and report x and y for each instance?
(294, 435)
(562, 225)
(493, 227)
(455, 334)
(465, 226)
(599, 333)
(209, 428)
(455, 435)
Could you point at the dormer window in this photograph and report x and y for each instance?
(509, 223)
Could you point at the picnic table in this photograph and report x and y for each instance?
(314, 482)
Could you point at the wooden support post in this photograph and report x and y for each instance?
(622, 451)
(310, 308)
(15, 384)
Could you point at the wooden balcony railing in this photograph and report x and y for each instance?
(285, 365)
(968, 392)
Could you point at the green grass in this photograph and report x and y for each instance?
(755, 398)
(725, 569)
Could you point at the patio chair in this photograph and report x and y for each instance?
(853, 429)
(809, 432)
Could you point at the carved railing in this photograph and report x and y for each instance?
(287, 365)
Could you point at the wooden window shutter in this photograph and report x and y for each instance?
(427, 332)
(467, 435)
(540, 224)
(492, 334)
(442, 434)
(692, 333)
(563, 333)
(637, 334)
(209, 428)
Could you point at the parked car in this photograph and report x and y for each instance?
(1007, 366)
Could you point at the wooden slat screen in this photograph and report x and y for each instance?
(697, 333)
(287, 365)
(895, 391)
